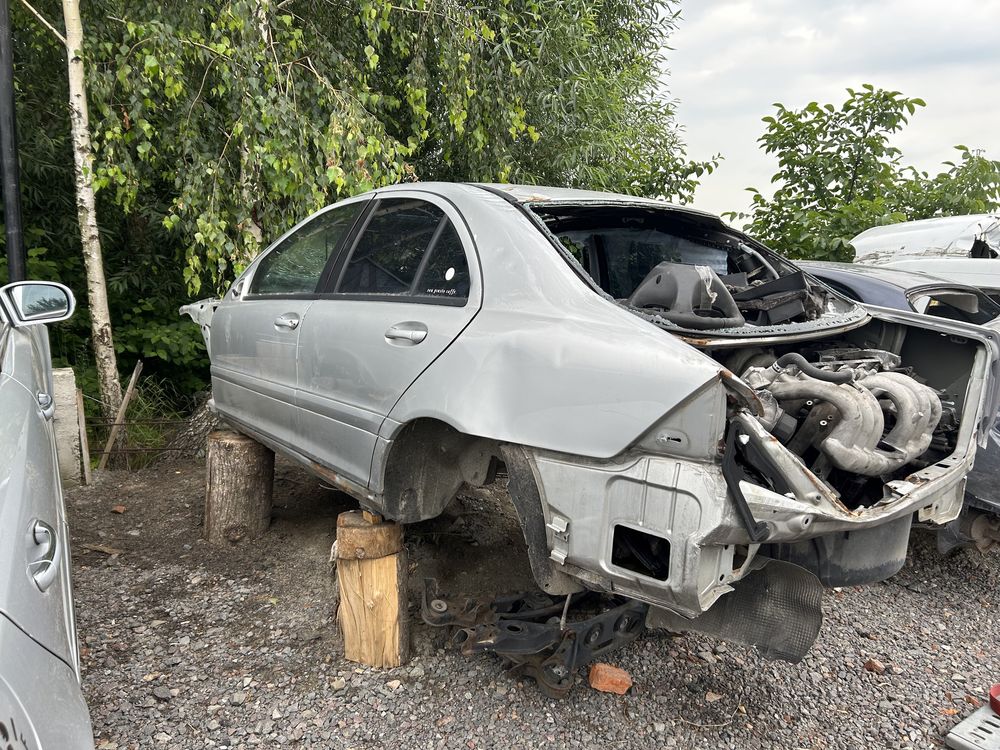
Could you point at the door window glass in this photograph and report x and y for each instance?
(408, 248)
(295, 266)
(447, 271)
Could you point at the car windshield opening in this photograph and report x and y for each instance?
(690, 269)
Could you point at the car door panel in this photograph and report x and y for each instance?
(35, 588)
(352, 374)
(359, 353)
(254, 365)
(41, 705)
(255, 330)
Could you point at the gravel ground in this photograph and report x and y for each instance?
(187, 647)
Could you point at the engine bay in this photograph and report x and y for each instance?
(856, 413)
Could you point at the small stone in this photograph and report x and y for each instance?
(659, 727)
(339, 684)
(711, 697)
(276, 714)
(609, 679)
(874, 665)
(238, 699)
(706, 656)
(161, 693)
(393, 684)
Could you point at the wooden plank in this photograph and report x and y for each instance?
(81, 418)
(120, 417)
(373, 610)
(371, 578)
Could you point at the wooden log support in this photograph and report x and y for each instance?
(239, 477)
(371, 577)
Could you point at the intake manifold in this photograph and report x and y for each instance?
(858, 443)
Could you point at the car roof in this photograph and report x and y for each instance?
(947, 236)
(540, 194)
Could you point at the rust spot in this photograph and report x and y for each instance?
(342, 484)
(738, 387)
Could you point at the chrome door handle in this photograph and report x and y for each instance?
(46, 404)
(402, 333)
(44, 567)
(289, 321)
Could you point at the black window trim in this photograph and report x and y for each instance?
(330, 263)
(331, 280)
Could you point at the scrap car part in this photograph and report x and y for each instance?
(850, 558)
(855, 442)
(688, 295)
(527, 631)
(776, 608)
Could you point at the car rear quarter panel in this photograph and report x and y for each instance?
(547, 362)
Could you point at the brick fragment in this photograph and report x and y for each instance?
(609, 679)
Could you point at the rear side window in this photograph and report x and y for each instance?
(447, 271)
(409, 248)
(295, 266)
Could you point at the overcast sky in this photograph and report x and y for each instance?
(732, 59)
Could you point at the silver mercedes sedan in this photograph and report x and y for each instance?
(684, 417)
(41, 704)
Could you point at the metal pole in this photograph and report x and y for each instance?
(8, 152)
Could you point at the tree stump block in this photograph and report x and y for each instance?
(371, 578)
(239, 478)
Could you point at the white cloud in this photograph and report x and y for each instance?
(732, 60)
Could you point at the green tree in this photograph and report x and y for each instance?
(839, 174)
(217, 125)
(258, 112)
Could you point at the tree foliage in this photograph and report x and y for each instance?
(218, 125)
(257, 113)
(839, 174)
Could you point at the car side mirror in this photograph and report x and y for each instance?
(26, 303)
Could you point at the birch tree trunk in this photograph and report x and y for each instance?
(83, 158)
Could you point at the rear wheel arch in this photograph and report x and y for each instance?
(429, 462)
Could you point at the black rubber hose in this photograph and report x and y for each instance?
(844, 376)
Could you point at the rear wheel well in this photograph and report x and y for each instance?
(428, 463)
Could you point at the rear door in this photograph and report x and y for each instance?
(398, 297)
(255, 331)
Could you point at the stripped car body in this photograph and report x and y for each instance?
(627, 362)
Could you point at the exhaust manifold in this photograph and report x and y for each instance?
(857, 442)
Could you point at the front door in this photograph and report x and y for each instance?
(255, 331)
(402, 293)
